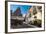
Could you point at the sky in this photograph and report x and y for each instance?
(24, 8)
